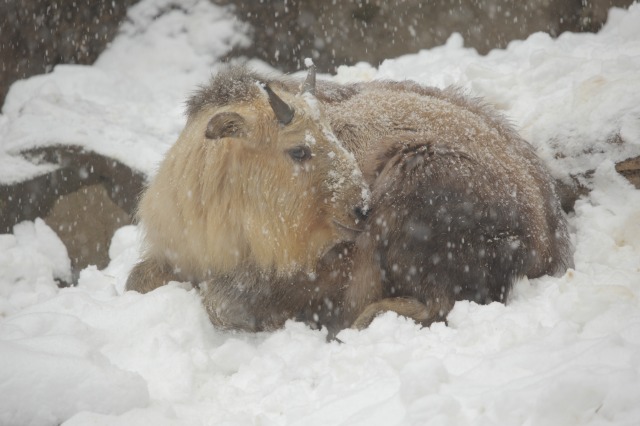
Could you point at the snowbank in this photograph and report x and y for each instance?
(562, 351)
(128, 105)
(30, 260)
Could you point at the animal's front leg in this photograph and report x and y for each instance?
(227, 310)
(405, 306)
(237, 303)
(149, 275)
(366, 284)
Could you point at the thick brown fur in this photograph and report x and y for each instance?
(461, 206)
(249, 209)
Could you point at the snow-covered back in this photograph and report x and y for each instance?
(563, 351)
(575, 98)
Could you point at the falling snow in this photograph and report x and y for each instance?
(563, 350)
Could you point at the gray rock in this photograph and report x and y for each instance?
(84, 201)
(35, 35)
(339, 32)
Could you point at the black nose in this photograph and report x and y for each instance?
(361, 213)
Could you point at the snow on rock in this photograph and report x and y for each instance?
(564, 350)
(575, 98)
(124, 252)
(46, 242)
(128, 105)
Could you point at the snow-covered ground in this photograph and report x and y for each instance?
(563, 351)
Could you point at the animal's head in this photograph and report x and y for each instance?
(256, 177)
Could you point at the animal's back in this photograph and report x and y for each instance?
(462, 206)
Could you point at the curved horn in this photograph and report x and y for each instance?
(309, 85)
(284, 113)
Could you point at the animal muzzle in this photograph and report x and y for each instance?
(356, 225)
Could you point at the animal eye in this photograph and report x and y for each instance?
(300, 153)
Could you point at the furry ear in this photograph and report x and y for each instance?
(225, 125)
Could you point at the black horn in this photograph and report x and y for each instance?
(309, 85)
(284, 113)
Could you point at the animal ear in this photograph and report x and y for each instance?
(284, 113)
(225, 125)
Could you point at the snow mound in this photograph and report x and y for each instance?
(30, 260)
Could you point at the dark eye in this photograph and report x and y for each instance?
(300, 153)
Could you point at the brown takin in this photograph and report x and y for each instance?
(262, 200)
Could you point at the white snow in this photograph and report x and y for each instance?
(571, 97)
(129, 104)
(564, 350)
(30, 260)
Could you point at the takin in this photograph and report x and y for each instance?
(330, 203)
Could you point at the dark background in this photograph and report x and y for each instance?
(35, 35)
